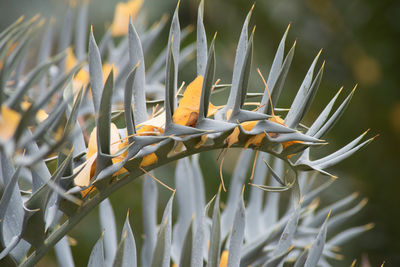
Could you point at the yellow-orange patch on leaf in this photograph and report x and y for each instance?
(9, 120)
(82, 77)
(87, 173)
(84, 176)
(122, 12)
(41, 114)
(257, 139)
(188, 108)
(288, 143)
(224, 259)
(147, 130)
(106, 68)
(233, 138)
(149, 160)
(158, 121)
(203, 139)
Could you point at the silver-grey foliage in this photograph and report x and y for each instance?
(40, 157)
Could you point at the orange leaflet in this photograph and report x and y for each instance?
(257, 139)
(122, 12)
(82, 77)
(106, 68)
(188, 108)
(9, 121)
(148, 130)
(88, 171)
(224, 259)
(41, 114)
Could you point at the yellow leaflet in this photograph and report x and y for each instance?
(288, 143)
(188, 108)
(257, 139)
(9, 120)
(82, 77)
(224, 259)
(148, 160)
(158, 121)
(202, 141)
(149, 130)
(233, 138)
(41, 114)
(106, 68)
(122, 12)
(87, 173)
(84, 176)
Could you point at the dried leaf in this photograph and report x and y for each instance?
(224, 259)
(9, 121)
(147, 130)
(41, 114)
(107, 69)
(256, 139)
(87, 173)
(122, 13)
(149, 160)
(82, 77)
(188, 108)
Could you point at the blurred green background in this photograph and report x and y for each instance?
(360, 45)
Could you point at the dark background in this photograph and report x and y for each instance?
(360, 45)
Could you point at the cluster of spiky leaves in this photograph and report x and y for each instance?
(255, 235)
(50, 180)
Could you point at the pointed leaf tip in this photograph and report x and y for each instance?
(252, 7)
(369, 226)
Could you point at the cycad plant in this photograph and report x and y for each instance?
(78, 126)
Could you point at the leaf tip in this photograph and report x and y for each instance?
(354, 88)
(288, 28)
(369, 226)
(252, 7)
(319, 53)
(363, 202)
(215, 36)
(329, 215)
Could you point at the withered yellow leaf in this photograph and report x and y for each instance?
(82, 77)
(158, 121)
(84, 176)
(224, 259)
(188, 108)
(149, 130)
(279, 120)
(122, 12)
(9, 121)
(87, 173)
(257, 139)
(41, 114)
(233, 138)
(202, 141)
(106, 68)
(148, 160)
